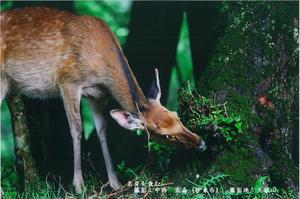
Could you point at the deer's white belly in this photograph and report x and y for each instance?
(34, 78)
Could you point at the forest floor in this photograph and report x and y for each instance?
(142, 187)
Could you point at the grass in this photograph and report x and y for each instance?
(217, 186)
(44, 190)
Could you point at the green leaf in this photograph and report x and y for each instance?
(139, 132)
(237, 119)
(156, 147)
(228, 120)
(217, 112)
(259, 183)
(87, 118)
(121, 166)
(239, 126)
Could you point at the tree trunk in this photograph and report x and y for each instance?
(24, 162)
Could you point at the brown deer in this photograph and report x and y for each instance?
(49, 53)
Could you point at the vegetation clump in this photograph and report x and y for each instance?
(204, 115)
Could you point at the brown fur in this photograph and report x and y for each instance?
(160, 121)
(64, 48)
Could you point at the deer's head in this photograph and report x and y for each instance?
(163, 125)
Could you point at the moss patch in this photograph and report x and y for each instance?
(241, 164)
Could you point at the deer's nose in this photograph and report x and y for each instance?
(201, 146)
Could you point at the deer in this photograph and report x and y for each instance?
(46, 53)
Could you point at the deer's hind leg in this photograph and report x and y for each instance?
(97, 109)
(71, 94)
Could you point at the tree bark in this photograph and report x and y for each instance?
(24, 162)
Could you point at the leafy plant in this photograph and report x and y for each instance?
(160, 149)
(127, 173)
(259, 184)
(201, 114)
(208, 182)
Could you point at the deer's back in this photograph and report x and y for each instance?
(43, 47)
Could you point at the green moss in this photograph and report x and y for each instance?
(241, 164)
(282, 172)
(257, 56)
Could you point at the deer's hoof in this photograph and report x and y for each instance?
(115, 184)
(78, 184)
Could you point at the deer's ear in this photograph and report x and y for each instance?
(155, 91)
(127, 119)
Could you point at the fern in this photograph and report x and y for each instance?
(214, 180)
(208, 182)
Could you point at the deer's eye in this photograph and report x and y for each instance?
(166, 136)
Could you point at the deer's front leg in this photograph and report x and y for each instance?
(100, 124)
(71, 96)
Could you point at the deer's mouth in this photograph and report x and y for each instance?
(175, 140)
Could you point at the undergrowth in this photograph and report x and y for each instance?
(145, 186)
(204, 115)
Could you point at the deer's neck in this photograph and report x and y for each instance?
(125, 88)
